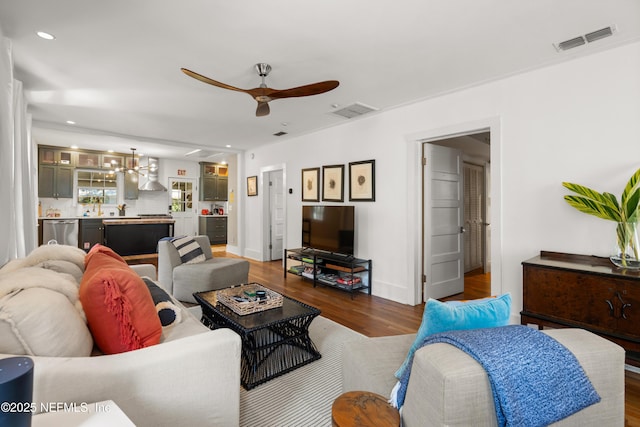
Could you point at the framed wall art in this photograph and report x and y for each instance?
(310, 185)
(252, 185)
(362, 181)
(333, 183)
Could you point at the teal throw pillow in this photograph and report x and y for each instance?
(459, 315)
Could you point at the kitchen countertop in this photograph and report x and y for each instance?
(104, 217)
(125, 221)
(213, 216)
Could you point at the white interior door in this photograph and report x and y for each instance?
(443, 211)
(276, 212)
(183, 207)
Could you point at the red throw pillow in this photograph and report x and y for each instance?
(119, 308)
(99, 249)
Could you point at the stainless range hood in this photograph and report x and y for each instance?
(151, 169)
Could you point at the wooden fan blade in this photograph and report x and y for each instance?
(263, 109)
(207, 80)
(307, 90)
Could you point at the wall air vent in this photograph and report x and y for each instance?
(280, 133)
(587, 38)
(354, 110)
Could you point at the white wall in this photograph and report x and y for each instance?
(577, 121)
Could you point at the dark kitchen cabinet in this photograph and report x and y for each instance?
(55, 181)
(91, 232)
(215, 227)
(135, 238)
(54, 156)
(213, 186)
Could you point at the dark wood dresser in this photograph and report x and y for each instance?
(565, 290)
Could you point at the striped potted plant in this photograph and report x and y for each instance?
(625, 212)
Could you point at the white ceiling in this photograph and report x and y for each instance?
(114, 67)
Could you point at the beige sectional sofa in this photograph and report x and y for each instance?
(192, 377)
(447, 387)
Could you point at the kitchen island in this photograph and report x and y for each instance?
(136, 236)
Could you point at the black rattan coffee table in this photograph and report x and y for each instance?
(274, 341)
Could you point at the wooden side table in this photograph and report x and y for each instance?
(363, 409)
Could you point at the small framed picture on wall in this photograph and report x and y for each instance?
(310, 185)
(333, 183)
(362, 181)
(252, 185)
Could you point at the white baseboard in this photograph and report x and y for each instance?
(253, 254)
(631, 368)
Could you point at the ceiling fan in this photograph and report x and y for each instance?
(264, 94)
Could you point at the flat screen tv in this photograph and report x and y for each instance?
(328, 228)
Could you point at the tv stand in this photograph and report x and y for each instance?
(340, 271)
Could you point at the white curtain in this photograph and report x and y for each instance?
(18, 221)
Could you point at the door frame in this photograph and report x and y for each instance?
(415, 178)
(263, 192)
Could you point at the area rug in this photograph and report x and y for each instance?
(304, 396)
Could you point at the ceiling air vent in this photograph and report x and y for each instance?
(280, 133)
(587, 38)
(570, 44)
(599, 34)
(354, 110)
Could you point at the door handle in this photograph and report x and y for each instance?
(462, 230)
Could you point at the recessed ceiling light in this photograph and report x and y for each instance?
(45, 36)
(228, 146)
(109, 151)
(75, 147)
(71, 122)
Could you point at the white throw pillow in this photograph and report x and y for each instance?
(62, 266)
(42, 322)
(56, 252)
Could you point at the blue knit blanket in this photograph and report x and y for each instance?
(534, 379)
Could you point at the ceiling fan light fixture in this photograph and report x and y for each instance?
(263, 69)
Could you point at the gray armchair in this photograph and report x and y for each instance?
(182, 280)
